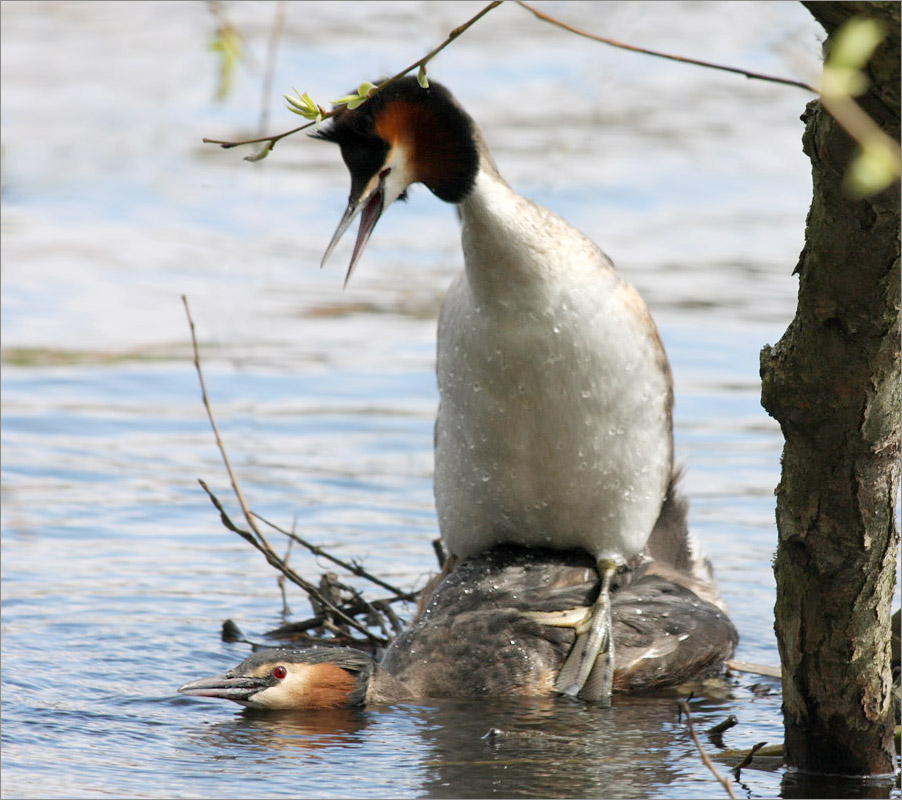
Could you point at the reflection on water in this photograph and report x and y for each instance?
(554, 749)
(283, 733)
(116, 571)
(510, 748)
(796, 785)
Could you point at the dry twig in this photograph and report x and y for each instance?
(257, 539)
(351, 567)
(755, 669)
(684, 707)
(272, 49)
(273, 559)
(682, 59)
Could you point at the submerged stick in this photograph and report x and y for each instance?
(747, 760)
(755, 669)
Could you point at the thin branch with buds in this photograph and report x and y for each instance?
(270, 141)
(420, 64)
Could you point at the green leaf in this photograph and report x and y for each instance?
(262, 154)
(874, 168)
(421, 77)
(228, 46)
(855, 42)
(302, 105)
(852, 48)
(353, 101)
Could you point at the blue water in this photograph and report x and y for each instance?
(116, 571)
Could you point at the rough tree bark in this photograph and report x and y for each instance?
(833, 384)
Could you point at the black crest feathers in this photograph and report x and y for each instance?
(437, 132)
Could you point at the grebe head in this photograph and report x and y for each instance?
(403, 134)
(282, 678)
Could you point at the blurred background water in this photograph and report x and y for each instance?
(116, 570)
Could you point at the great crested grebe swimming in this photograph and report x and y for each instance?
(554, 428)
(498, 625)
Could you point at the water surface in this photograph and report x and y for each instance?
(116, 571)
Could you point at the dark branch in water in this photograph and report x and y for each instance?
(747, 760)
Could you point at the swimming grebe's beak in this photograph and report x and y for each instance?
(229, 686)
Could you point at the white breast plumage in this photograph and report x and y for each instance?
(554, 424)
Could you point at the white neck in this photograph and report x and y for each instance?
(514, 247)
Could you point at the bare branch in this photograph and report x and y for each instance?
(579, 32)
(225, 456)
(272, 48)
(684, 707)
(312, 591)
(355, 569)
(258, 540)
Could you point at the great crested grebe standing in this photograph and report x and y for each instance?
(554, 428)
(489, 629)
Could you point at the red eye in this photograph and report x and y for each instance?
(279, 672)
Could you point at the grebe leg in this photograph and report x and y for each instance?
(588, 671)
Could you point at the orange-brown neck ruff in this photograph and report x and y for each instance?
(438, 140)
(328, 686)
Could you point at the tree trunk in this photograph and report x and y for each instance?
(833, 384)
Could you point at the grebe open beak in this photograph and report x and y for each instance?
(370, 203)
